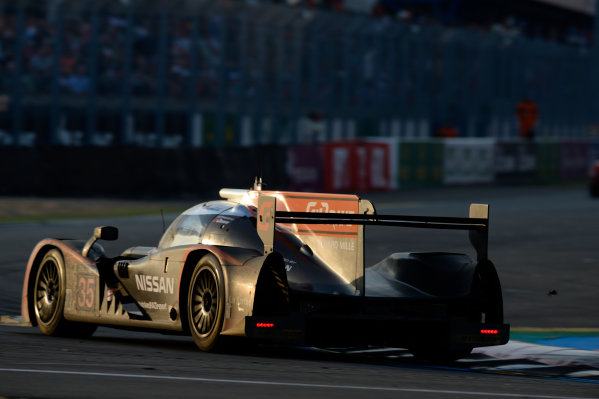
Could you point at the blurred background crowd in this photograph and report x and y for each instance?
(235, 72)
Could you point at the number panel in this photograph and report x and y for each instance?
(86, 292)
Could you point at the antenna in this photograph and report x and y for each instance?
(258, 183)
(163, 224)
(258, 179)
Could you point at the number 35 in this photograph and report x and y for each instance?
(86, 292)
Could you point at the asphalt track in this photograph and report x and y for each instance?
(543, 240)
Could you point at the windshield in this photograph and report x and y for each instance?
(189, 227)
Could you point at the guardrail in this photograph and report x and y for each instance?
(345, 166)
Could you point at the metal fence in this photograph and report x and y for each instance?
(211, 73)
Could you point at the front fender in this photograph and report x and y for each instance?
(70, 250)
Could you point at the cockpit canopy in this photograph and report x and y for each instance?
(189, 227)
(192, 227)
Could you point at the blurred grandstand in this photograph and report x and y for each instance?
(190, 73)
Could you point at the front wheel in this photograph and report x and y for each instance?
(49, 292)
(206, 302)
(48, 297)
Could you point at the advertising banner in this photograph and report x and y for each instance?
(468, 161)
(420, 163)
(574, 160)
(548, 160)
(515, 161)
(305, 168)
(357, 166)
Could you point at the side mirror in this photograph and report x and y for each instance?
(108, 233)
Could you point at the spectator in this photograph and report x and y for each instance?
(447, 130)
(40, 66)
(528, 115)
(78, 81)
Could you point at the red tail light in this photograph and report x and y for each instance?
(265, 325)
(489, 332)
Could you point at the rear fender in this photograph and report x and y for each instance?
(272, 288)
(241, 279)
(486, 292)
(249, 283)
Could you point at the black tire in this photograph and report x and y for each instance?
(48, 299)
(49, 293)
(486, 305)
(206, 302)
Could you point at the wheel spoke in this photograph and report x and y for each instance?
(204, 277)
(196, 318)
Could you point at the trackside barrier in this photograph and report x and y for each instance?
(468, 161)
(357, 166)
(515, 161)
(420, 163)
(384, 147)
(574, 159)
(120, 172)
(548, 160)
(353, 166)
(594, 150)
(304, 167)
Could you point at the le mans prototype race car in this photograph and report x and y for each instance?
(282, 267)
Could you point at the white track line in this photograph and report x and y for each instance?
(291, 384)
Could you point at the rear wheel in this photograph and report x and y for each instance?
(48, 297)
(206, 302)
(486, 306)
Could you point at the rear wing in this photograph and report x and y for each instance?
(477, 223)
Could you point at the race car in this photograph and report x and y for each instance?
(594, 179)
(282, 267)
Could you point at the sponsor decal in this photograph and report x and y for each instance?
(153, 305)
(344, 245)
(339, 204)
(224, 219)
(289, 263)
(324, 207)
(111, 293)
(155, 284)
(265, 215)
